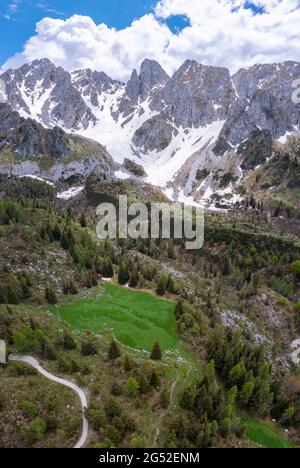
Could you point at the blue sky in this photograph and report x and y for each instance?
(231, 33)
(19, 17)
(17, 23)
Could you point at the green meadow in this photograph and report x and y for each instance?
(138, 319)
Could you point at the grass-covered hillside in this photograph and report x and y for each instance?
(174, 348)
(275, 185)
(43, 149)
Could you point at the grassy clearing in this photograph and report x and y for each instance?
(266, 434)
(138, 319)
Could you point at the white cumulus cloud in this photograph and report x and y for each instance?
(219, 32)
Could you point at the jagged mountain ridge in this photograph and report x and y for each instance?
(28, 148)
(180, 128)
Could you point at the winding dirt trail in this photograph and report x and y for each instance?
(164, 413)
(34, 363)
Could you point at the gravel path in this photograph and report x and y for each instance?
(34, 363)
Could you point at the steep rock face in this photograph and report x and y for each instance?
(264, 101)
(133, 168)
(34, 78)
(197, 95)
(70, 108)
(152, 77)
(201, 120)
(26, 147)
(131, 95)
(276, 183)
(92, 84)
(46, 93)
(26, 138)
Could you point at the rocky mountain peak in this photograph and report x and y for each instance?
(195, 122)
(92, 84)
(133, 87)
(142, 86)
(197, 94)
(151, 76)
(26, 138)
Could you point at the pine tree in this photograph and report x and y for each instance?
(296, 268)
(114, 351)
(148, 273)
(134, 279)
(99, 265)
(187, 400)
(71, 237)
(82, 221)
(132, 387)
(3, 295)
(88, 347)
(56, 233)
(143, 383)
(226, 267)
(123, 275)
(237, 375)
(90, 280)
(68, 341)
(180, 429)
(171, 285)
(128, 365)
(156, 353)
(108, 270)
(154, 380)
(246, 393)
(74, 367)
(50, 296)
(161, 286)
(49, 351)
(164, 399)
(25, 289)
(12, 295)
(65, 241)
(70, 288)
(179, 310)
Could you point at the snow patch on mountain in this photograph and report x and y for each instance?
(121, 175)
(162, 167)
(40, 179)
(36, 101)
(70, 193)
(113, 130)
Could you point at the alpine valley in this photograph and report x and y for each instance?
(142, 343)
(202, 135)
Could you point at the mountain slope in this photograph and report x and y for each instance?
(193, 123)
(26, 147)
